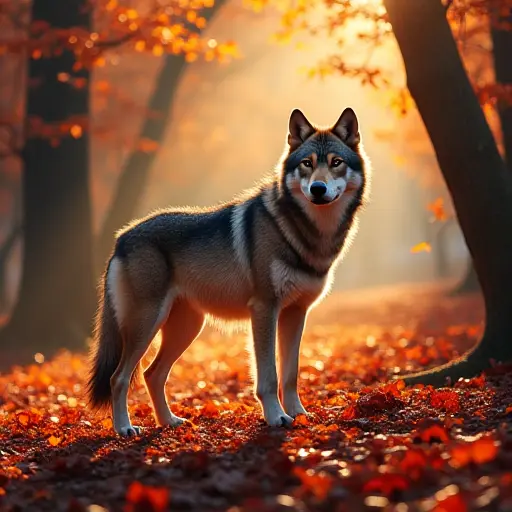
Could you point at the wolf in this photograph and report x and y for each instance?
(265, 258)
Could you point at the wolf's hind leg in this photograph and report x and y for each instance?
(290, 327)
(138, 331)
(182, 327)
(142, 301)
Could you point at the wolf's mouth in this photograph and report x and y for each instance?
(322, 202)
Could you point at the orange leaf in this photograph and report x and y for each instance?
(76, 131)
(484, 450)
(317, 484)
(301, 420)
(54, 441)
(107, 423)
(479, 452)
(349, 413)
(23, 418)
(421, 247)
(210, 410)
(437, 208)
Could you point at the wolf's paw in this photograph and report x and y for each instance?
(295, 409)
(279, 420)
(171, 421)
(128, 431)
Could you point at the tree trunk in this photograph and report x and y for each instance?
(469, 283)
(135, 173)
(502, 51)
(57, 297)
(134, 176)
(440, 256)
(5, 252)
(465, 148)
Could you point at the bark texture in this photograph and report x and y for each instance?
(57, 297)
(464, 146)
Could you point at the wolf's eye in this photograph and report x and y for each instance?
(336, 162)
(307, 163)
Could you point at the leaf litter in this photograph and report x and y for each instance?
(369, 443)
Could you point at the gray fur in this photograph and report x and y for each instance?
(268, 257)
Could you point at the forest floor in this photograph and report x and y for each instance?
(368, 444)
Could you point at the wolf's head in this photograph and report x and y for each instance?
(324, 164)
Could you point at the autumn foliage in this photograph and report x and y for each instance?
(158, 29)
(365, 446)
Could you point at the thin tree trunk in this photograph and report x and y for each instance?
(56, 299)
(464, 147)
(5, 252)
(441, 260)
(469, 282)
(134, 176)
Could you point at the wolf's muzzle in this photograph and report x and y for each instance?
(318, 190)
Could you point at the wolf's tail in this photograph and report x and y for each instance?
(106, 350)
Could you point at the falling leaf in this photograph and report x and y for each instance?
(438, 209)
(421, 247)
(147, 145)
(76, 131)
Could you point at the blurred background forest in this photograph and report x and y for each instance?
(139, 104)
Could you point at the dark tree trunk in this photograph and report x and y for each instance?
(57, 297)
(464, 145)
(134, 175)
(502, 52)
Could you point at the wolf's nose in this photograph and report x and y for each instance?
(318, 189)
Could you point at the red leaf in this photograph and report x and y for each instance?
(453, 503)
(376, 402)
(479, 452)
(446, 400)
(142, 498)
(386, 484)
(349, 413)
(431, 431)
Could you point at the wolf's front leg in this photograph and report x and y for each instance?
(290, 328)
(264, 321)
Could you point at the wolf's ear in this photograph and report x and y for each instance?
(347, 128)
(299, 129)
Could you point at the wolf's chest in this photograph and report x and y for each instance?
(293, 285)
